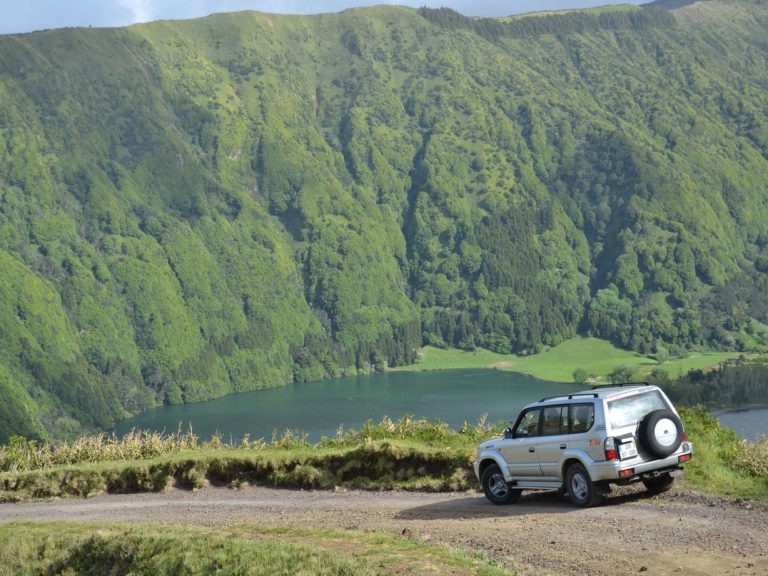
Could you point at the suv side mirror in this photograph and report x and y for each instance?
(508, 435)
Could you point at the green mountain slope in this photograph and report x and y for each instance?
(193, 208)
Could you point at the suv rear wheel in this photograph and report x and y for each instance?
(496, 488)
(580, 488)
(659, 484)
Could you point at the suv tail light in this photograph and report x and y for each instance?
(685, 436)
(610, 449)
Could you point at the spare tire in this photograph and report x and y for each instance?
(660, 433)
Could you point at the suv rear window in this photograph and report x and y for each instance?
(629, 410)
(582, 417)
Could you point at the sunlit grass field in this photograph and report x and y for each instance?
(598, 357)
(89, 548)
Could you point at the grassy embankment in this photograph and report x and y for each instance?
(597, 357)
(409, 454)
(77, 548)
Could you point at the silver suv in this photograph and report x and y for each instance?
(582, 443)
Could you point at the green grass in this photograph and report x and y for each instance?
(696, 361)
(431, 358)
(596, 356)
(388, 551)
(596, 10)
(75, 548)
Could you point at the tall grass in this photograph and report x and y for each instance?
(21, 455)
(430, 432)
(752, 457)
(414, 454)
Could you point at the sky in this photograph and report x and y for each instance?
(29, 15)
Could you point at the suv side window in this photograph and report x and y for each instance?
(582, 417)
(528, 425)
(555, 421)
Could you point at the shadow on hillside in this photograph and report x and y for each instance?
(477, 506)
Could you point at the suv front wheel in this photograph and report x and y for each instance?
(496, 488)
(580, 488)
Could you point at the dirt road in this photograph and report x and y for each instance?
(681, 532)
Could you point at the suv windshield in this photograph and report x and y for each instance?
(629, 410)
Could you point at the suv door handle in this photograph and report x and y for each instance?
(531, 450)
(562, 446)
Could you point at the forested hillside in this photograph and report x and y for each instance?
(193, 208)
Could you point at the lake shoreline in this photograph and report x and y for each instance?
(760, 406)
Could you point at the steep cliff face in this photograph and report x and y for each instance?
(193, 208)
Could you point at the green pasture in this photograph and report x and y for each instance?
(598, 357)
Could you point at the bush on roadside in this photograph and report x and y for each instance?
(752, 457)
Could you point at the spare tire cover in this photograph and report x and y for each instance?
(660, 433)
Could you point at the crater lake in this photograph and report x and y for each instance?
(320, 408)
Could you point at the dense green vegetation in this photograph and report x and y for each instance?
(568, 22)
(728, 386)
(88, 548)
(194, 208)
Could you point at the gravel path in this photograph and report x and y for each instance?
(681, 532)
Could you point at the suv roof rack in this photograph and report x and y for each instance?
(620, 385)
(571, 396)
(595, 394)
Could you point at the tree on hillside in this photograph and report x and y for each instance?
(580, 376)
(621, 374)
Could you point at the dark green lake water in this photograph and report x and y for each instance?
(319, 408)
(749, 423)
